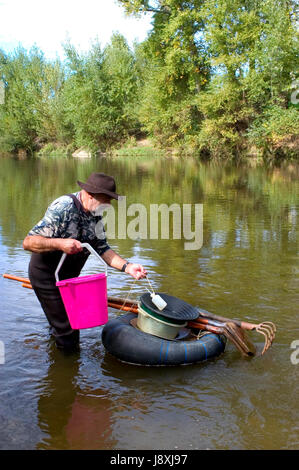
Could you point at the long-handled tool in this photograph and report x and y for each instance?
(234, 330)
(229, 329)
(266, 328)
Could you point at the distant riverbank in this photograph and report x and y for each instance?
(286, 151)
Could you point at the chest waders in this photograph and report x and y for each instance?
(42, 268)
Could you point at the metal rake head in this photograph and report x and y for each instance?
(267, 329)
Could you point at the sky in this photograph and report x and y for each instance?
(49, 23)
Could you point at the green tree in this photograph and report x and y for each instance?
(32, 113)
(100, 93)
(219, 66)
(18, 118)
(176, 68)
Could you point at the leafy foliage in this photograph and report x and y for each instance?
(216, 68)
(213, 78)
(100, 94)
(33, 111)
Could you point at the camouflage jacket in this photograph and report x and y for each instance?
(63, 220)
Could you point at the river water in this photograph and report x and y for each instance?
(246, 268)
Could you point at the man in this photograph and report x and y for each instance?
(69, 221)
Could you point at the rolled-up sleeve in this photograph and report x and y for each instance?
(100, 246)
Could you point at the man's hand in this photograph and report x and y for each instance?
(115, 261)
(136, 270)
(70, 246)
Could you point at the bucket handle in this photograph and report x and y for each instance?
(90, 249)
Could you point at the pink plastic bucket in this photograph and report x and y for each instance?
(85, 297)
(85, 300)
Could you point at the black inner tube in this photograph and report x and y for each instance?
(133, 346)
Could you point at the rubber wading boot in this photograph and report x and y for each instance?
(68, 342)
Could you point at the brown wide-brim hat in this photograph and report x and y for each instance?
(99, 183)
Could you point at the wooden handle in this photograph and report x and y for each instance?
(17, 278)
(121, 301)
(211, 316)
(27, 285)
(205, 326)
(205, 317)
(126, 308)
